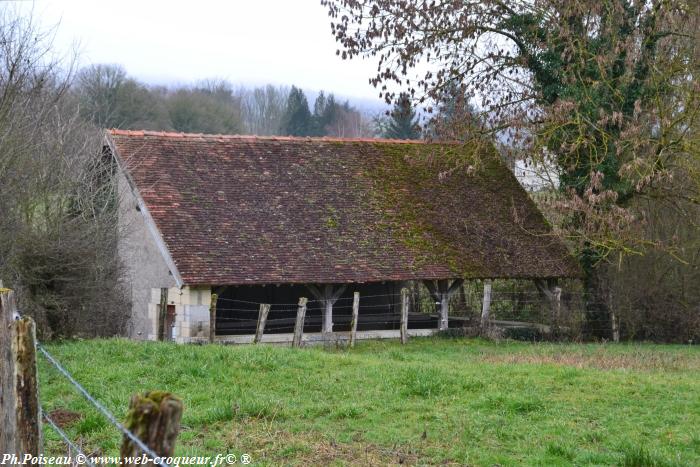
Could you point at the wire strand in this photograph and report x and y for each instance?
(140, 444)
(65, 438)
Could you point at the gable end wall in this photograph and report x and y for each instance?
(145, 268)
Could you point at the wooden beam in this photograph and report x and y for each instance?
(315, 291)
(299, 324)
(220, 289)
(432, 288)
(355, 317)
(456, 284)
(262, 319)
(404, 315)
(335, 295)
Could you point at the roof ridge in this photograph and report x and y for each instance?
(205, 136)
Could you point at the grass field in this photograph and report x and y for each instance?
(433, 401)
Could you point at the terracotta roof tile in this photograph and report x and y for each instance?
(247, 209)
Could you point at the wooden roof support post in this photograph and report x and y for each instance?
(486, 304)
(328, 296)
(552, 292)
(442, 290)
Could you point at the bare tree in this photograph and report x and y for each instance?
(57, 200)
(263, 108)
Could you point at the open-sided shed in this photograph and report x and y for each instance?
(268, 219)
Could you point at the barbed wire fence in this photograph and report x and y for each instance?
(22, 433)
(516, 308)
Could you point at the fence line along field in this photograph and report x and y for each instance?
(439, 401)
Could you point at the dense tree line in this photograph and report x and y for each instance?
(109, 98)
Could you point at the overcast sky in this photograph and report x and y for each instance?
(243, 41)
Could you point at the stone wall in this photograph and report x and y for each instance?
(145, 267)
(191, 314)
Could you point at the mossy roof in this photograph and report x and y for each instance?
(257, 210)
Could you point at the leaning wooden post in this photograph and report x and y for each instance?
(486, 305)
(212, 318)
(299, 324)
(154, 418)
(162, 313)
(262, 319)
(19, 393)
(355, 317)
(404, 315)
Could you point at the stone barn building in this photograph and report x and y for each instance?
(271, 219)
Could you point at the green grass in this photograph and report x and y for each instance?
(433, 401)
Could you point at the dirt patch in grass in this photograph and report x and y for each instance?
(266, 443)
(63, 417)
(602, 360)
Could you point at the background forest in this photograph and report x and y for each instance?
(109, 98)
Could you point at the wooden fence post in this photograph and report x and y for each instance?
(262, 319)
(212, 318)
(614, 325)
(404, 315)
(19, 393)
(299, 324)
(355, 317)
(162, 313)
(486, 306)
(154, 418)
